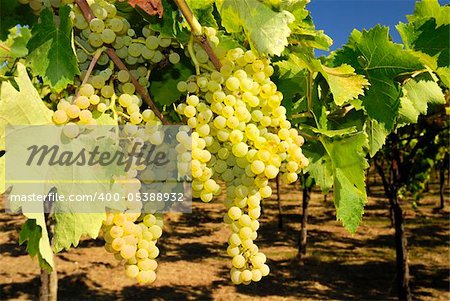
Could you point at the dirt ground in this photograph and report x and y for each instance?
(193, 263)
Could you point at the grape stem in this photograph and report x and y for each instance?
(191, 51)
(89, 15)
(95, 58)
(196, 30)
(5, 47)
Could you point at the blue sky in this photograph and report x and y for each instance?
(339, 17)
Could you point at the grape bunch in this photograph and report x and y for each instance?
(133, 242)
(109, 29)
(240, 136)
(38, 5)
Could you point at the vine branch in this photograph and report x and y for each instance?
(196, 30)
(89, 15)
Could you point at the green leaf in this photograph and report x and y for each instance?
(266, 30)
(344, 84)
(163, 87)
(376, 135)
(427, 9)
(73, 219)
(34, 232)
(70, 227)
(13, 13)
(444, 74)
(434, 41)
(170, 24)
(373, 55)
(17, 41)
(416, 97)
(51, 53)
(348, 164)
(292, 81)
(205, 16)
(23, 106)
(335, 133)
(319, 167)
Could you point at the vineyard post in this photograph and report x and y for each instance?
(48, 290)
(306, 196)
(280, 212)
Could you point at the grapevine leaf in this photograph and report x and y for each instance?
(205, 16)
(427, 9)
(335, 133)
(266, 30)
(70, 227)
(416, 97)
(376, 135)
(348, 164)
(151, 7)
(381, 61)
(19, 38)
(434, 41)
(319, 166)
(68, 180)
(200, 4)
(163, 87)
(292, 82)
(13, 13)
(169, 25)
(34, 233)
(344, 84)
(51, 53)
(444, 74)
(23, 106)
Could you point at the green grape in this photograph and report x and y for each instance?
(87, 90)
(95, 40)
(85, 116)
(152, 42)
(165, 42)
(174, 58)
(147, 53)
(108, 36)
(82, 102)
(97, 81)
(128, 88)
(135, 49)
(115, 24)
(97, 25)
(60, 117)
(101, 107)
(123, 76)
(158, 57)
(107, 91)
(122, 52)
(71, 130)
(73, 111)
(82, 56)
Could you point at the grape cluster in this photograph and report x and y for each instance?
(240, 136)
(108, 28)
(134, 243)
(38, 5)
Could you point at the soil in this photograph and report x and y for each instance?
(193, 264)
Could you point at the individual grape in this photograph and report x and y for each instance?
(101, 107)
(85, 116)
(97, 25)
(95, 40)
(115, 24)
(71, 130)
(174, 58)
(152, 42)
(108, 36)
(132, 271)
(60, 117)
